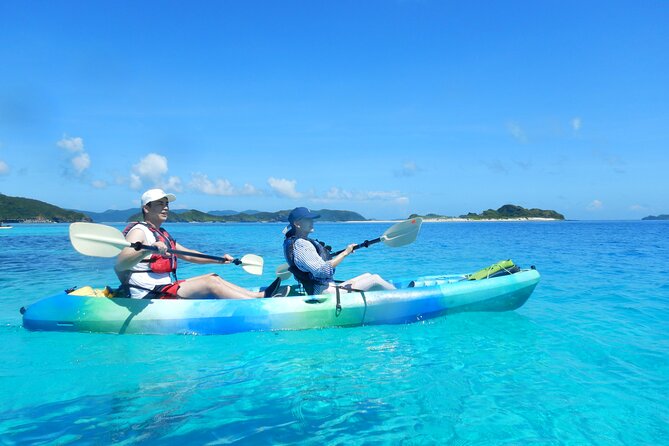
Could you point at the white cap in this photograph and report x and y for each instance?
(156, 194)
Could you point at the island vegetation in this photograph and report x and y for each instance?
(657, 217)
(27, 210)
(254, 217)
(506, 212)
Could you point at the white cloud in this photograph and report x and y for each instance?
(4, 168)
(283, 187)
(172, 184)
(517, 132)
(393, 196)
(249, 189)
(576, 124)
(152, 169)
(99, 184)
(638, 208)
(287, 188)
(73, 145)
(595, 205)
(336, 194)
(135, 181)
(79, 159)
(81, 162)
(202, 183)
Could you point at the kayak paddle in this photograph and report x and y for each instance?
(98, 240)
(282, 272)
(397, 235)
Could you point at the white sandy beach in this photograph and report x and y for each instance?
(458, 219)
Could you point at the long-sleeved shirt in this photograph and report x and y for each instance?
(307, 259)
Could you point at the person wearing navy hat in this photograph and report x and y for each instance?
(153, 276)
(311, 262)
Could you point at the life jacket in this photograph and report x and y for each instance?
(158, 263)
(307, 279)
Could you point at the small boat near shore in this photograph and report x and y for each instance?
(417, 299)
(2, 226)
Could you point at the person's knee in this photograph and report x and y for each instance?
(212, 283)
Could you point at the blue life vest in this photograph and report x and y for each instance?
(305, 278)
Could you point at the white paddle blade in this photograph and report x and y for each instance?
(402, 233)
(283, 272)
(96, 240)
(253, 264)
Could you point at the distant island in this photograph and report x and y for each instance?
(656, 217)
(26, 210)
(195, 216)
(506, 212)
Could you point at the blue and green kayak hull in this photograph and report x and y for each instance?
(428, 297)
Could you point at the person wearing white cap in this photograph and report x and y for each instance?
(153, 276)
(311, 263)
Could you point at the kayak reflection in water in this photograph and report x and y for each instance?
(153, 276)
(313, 265)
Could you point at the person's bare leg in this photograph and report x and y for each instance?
(364, 282)
(211, 285)
(231, 285)
(369, 282)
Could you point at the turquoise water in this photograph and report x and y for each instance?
(585, 361)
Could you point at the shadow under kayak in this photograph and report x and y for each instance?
(414, 300)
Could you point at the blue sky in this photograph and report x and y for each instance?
(383, 107)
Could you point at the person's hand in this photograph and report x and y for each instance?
(349, 248)
(162, 247)
(227, 258)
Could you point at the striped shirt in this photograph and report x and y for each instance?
(307, 259)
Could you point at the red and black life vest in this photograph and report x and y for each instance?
(158, 263)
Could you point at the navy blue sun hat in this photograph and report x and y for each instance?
(300, 213)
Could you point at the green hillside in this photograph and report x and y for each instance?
(279, 216)
(508, 211)
(18, 209)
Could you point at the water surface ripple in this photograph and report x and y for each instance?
(585, 361)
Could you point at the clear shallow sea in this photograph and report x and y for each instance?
(585, 361)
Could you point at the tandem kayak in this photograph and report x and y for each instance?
(417, 299)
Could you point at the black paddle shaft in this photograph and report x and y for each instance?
(364, 244)
(138, 246)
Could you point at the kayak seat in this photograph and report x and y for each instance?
(96, 292)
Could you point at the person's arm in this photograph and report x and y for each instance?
(307, 259)
(338, 259)
(130, 257)
(228, 258)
